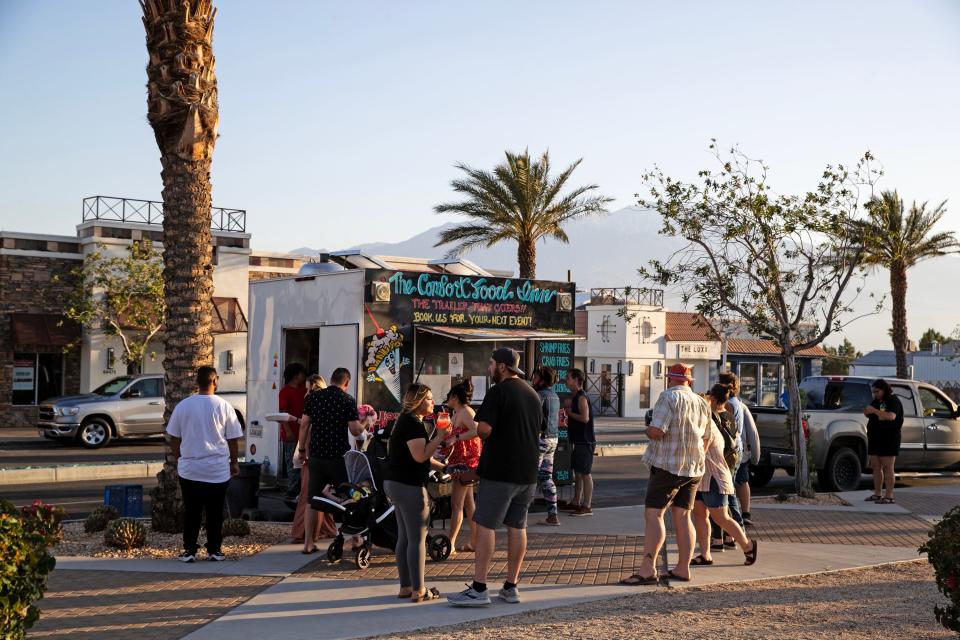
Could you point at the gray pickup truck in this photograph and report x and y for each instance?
(837, 431)
(128, 406)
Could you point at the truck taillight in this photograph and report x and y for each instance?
(806, 429)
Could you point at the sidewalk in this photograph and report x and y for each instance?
(281, 593)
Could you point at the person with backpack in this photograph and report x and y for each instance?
(716, 487)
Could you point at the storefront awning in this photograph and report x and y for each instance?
(474, 334)
(39, 331)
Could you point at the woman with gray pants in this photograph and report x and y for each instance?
(408, 463)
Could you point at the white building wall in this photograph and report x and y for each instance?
(873, 371)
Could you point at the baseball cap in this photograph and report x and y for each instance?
(510, 358)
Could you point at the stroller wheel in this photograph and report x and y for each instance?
(363, 558)
(334, 552)
(439, 548)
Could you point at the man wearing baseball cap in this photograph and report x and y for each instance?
(676, 459)
(509, 423)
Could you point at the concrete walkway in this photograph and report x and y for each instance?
(302, 608)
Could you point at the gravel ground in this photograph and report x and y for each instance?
(819, 499)
(893, 602)
(77, 542)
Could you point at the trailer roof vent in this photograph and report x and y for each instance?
(320, 265)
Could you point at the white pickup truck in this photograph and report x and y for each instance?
(125, 406)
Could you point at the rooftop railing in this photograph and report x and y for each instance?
(627, 295)
(151, 212)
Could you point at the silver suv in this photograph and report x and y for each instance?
(125, 406)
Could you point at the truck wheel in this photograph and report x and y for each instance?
(94, 433)
(760, 476)
(843, 470)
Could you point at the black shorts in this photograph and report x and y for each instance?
(665, 489)
(883, 442)
(581, 459)
(322, 473)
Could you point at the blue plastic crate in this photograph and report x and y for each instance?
(125, 498)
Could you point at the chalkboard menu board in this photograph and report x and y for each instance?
(558, 355)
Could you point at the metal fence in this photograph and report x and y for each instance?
(151, 212)
(627, 295)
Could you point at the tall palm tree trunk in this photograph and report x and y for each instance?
(527, 258)
(183, 111)
(898, 291)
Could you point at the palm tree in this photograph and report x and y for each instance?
(518, 201)
(183, 111)
(897, 240)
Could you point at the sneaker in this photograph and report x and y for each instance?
(511, 595)
(470, 597)
(583, 511)
(186, 556)
(553, 520)
(216, 557)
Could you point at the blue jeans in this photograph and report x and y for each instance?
(733, 503)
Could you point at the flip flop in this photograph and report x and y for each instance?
(673, 576)
(637, 580)
(430, 594)
(751, 556)
(405, 595)
(311, 552)
(872, 498)
(700, 561)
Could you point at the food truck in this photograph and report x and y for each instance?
(389, 327)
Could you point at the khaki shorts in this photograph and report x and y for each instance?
(665, 489)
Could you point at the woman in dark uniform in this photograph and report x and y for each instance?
(884, 421)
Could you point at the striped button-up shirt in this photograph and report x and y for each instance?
(684, 418)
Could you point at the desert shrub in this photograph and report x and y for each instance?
(26, 535)
(125, 533)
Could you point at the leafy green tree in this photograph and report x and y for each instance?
(929, 337)
(518, 201)
(121, 296)
(788, 266)
(897, 239)
(838, 361)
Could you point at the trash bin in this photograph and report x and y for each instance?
(127, 499)
(243, 492)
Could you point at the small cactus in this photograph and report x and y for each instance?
(100, 517)
(236, 527)
(125, 533)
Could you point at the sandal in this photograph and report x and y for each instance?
(730, 544)
(405, 595)
(430, 594)
(873, 498)
(637, 580)
(751, 556)
(700, 561)
(311, 551)
(673, 576)
(886, 501)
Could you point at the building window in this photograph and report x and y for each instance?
(36, 377)
(643, 388)
(748, 372)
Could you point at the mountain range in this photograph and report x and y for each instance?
(605, 251)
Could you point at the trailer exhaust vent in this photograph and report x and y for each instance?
(380, 291)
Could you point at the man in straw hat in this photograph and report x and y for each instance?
(676, 459)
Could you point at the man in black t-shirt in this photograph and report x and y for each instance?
(327, 415)
(509, 423)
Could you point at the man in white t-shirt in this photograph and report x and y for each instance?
(203, 432)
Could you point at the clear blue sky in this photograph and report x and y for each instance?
(340, 121)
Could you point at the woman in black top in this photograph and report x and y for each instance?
(884, 421)
(408, 463)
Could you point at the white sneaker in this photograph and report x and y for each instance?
(511, 595)
(470, 597)
(216, 557)
(186, 556)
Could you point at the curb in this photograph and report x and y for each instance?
(48, 475)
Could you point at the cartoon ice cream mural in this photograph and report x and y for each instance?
(384, 361)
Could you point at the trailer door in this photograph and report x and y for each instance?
(339, 347)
